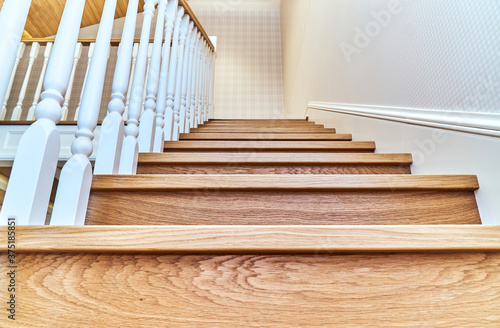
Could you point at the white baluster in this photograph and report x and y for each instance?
(12, 20)
(135, 51)
(212, 85)
(46, 55)
(187, 98)
(185, 69)
(67, 96)
(144, 92)
(199, 97)
(89, 56)
(20, 52)
(170, 17)
(130, 150)
(147, 124)
(30, 183)
(178, 79)
(207, 82)
(112, 130)
(196, 81)
(73, 191)
(16, 114)
(172, 74)
(204, 84)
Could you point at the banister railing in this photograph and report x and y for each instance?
(176, 79)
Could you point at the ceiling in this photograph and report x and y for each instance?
(44, 15)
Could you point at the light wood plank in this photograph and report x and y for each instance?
(265, 136)
(285, 182)
(256, 239)
(258, 129)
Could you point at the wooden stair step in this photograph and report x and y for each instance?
(410, 276)
(258, 129)
(265, 136)
(268, 146)
(256, 120)
(282, 199)
(274, 163)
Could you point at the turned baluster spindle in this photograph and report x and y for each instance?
(130, 150)
(148, 66)
(70, 205)
(184, 84)
(170, 17)
(172, 74)
(38, 91)
(67, 96)
(16, 114)
(207, 83)
(112, 131)
(12, 20)
(187, 97)
(89, 62)
(196, 76)
(147, 124)
(135, 51)
(28, 192)
(199, 97)
(211, 90)
(20, 53)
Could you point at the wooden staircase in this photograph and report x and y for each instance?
(267, 223)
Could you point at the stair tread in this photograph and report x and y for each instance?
(258, 239)
(269, 158)
(285, 182)
(264, 136)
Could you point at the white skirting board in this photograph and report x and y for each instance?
(10, 135)
(440, 142)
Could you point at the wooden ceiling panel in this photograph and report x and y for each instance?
(44, 15)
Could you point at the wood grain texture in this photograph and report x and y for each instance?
(229, 207)
(460, 289)
(256, 239)
(288, 182)
(269, 146)
(265, 136)
(258, 129)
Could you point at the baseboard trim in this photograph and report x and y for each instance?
(487, 124)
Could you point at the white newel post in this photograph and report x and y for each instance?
(170, 16)
(185, 69)
(67, 96)
(130, 149)
(89, 56)
(112, 129)
(196, 82)
(20, 52)
(16, 114)
(70, 206)
(135, 51)
(178, 79)
(12, 20)
(28, 192)
(187, 98)
(147, 123)
(172, 74)
(38, 91)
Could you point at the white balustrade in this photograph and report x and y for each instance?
(12, 20)
(20, 52)
(170, 19)
(172, 74)
(73, 191)
(189, 87)
(179, 74)
(67, 96)
(28, 192)
(144, 92)
(38, 91)
(135, 51)
(199, 94)
(147, 124)
(17, 112)
(208, 66)
(196, 80)
(212, 82)
(185, 69)
(130, 150)
(89, 62)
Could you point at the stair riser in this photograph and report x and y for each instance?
(265, 136)
(261, 207)
(244, 168)
(234, 129)
(142, 290)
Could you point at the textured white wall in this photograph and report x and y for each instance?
(431, 54)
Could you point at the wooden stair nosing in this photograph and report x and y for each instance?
(286, 182)
(265, 136)
(256, 239)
